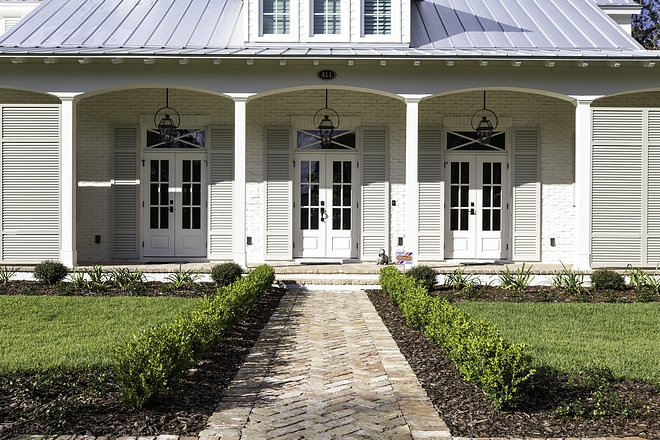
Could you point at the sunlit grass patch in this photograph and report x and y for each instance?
(46, 332)
(575, 337)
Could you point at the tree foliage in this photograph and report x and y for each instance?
(646, 26)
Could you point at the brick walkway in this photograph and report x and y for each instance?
(325, 366)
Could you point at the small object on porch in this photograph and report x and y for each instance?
(382, 258)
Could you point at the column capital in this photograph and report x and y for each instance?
(240, 97)
(584, 99)
(66, 96)
(413, 98)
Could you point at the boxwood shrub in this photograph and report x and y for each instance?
(483, 357)
(604, 279)
(150, 363)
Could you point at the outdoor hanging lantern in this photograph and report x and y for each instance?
(326, 125)
(167, 127)
(485, 128)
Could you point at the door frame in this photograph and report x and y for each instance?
(148, 154)
(296, 233)
(507, 190)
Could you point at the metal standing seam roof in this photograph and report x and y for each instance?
(440, 28)
(617, 3)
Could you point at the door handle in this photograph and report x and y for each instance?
(472, 212)
(171, 208)
(323, 214)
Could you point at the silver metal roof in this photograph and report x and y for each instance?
(617, 3)
(440, 28)
(516, 24)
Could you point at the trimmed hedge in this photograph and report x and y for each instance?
(483, 357)
(150, 363)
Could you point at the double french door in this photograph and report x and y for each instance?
(325, 206)
(478, 209)
(174, 204)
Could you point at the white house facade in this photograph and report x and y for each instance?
(570, 174)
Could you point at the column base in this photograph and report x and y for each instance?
(582, 262)
(69, 258)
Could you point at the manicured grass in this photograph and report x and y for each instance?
(575, 337)
(44, 332)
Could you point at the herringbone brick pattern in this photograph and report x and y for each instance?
(325, 367)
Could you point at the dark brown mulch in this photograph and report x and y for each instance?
(631, 408)
(87, 402)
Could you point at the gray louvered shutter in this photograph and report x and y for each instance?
(653, 192)
(526, 216)
(431, 197)
(126, 193)
(278, 195)
(375, 194)
(30, 183)
(221, 194)
(616, 187)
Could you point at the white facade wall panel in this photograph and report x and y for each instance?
(277, 111)
(96, 116)
(556, 119)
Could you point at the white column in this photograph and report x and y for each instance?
(240, 200)
(412, 172)
(583, 181)
(68, 248)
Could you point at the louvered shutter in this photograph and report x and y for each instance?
(221, 198)
(375, 194)
(616, 187)
(431, 196)
(653, 192)
(126, 193)
(278, 195)
(30, 183)
(526, 216)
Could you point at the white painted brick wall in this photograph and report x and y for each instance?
(557, 121)
(97, 114)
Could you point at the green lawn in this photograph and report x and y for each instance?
(574, 337)
(44, 332)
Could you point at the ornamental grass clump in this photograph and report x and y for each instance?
(150, 363)
(484, 358)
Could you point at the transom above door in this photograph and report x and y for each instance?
(477, 214)
(174, 201)
(325, 206)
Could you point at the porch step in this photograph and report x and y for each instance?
(325, 281)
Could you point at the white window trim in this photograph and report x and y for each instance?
(293, 25)
(396, 24)
(345, 23)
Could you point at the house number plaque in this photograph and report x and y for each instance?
(327, 74)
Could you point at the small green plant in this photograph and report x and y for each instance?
(459, 279)
(604, 279)
(96, 277)
(519, 280)
(77, 279)
(50, 272)
(7, 273)
(182, 278)
(226, 273)
(123, 278)
(427, 275)
(645, 284)
(568, 279)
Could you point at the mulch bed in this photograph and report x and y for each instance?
(86, 402)
(631, 408)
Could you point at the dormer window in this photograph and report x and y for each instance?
(276, 17)
(377, 17)
(327, 17)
